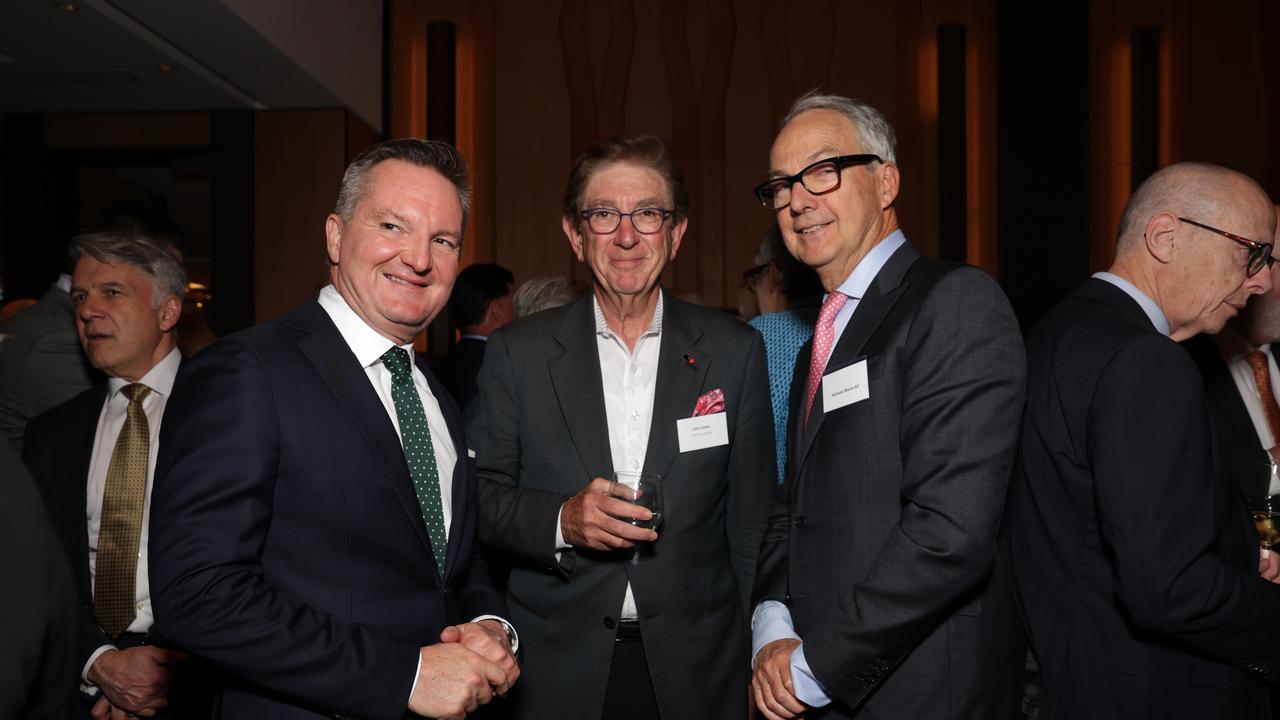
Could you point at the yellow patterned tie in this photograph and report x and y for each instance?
(117, 563)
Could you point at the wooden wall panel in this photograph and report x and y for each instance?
(299, 156)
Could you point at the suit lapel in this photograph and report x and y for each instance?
(333, 360)
(575, 377)
(883, 292)
(677, 385)
(74, 481)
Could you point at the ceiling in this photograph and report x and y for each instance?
(162, 55)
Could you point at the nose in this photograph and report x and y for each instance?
(1261, 282)
(88, 309)
(626, 236)
(801, 198)
(417, 255)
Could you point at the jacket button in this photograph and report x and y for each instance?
(800, 522)
(609, 623)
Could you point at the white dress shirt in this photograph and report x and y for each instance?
(628, 378)
(110, 421)
(368, 347)
(1234, 349)
(772, 619)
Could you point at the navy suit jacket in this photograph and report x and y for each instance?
(1134, 556)
(287, 544)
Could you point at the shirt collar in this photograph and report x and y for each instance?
(1149, 306)
(159, 378)
(855, 286)
(365, 342)
(602, 326)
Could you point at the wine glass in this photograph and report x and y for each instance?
(1266, 512)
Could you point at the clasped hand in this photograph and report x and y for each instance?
(471, 663)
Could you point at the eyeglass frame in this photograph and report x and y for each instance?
(586, 212)
(1259, 252)
(840, 161)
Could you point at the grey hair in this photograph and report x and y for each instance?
(874, 131)
(153, 257)
(1187, 189)
(543, 293)
(432, 154)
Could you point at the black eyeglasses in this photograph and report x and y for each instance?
(819, 178)
(604, 220)
(1259, 253)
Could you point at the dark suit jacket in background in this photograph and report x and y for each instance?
(1247, 462)
(41, 363)
(458, 371)
(287, 544)
(38, 668)
(882, 539)
(1135, 558)
(541, 435)
(58, 449)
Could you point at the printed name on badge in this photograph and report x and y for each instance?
(703, 431)
(845, 386)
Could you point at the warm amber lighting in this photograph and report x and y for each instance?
(164, 67)
(68, 7)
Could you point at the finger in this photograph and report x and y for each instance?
(784, 691)
(101, 709)
(451, 634)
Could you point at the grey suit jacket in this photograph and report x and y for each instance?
(540, 436)
(41, 363)
(882, 540)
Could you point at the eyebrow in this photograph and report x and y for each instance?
(641, 203)
(388, 214)
(824, 151)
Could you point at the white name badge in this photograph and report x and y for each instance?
(845, 386)
(703, 431)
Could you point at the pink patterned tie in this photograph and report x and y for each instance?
(824, 334)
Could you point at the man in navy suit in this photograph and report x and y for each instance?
(1134, 556)
(127, 291)
(314, 505)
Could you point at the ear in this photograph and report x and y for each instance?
(170, 311)
(889, 179)
(677, 234)
(570, 226)
(333, 237)
(774, 276)
(1159, 236)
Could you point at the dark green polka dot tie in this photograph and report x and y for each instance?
(419, 452)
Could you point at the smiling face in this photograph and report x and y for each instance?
(395, 260)
(832, 232)
(625, 262)
(123, 331)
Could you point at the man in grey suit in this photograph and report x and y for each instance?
(622, 621)
(880, 590)
(41, 361)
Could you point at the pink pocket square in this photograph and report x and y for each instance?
(710, 403)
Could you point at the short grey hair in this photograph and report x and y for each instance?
(543, 293)
(432, 154)
(874, 131)
(150, 255)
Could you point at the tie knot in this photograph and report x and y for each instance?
(397, 361)
(831, 306)
(137, 392)
(1257, 360)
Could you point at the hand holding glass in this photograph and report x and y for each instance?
(644, 490)
(1266, 515)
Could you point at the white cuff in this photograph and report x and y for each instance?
(87, 687)
(513, 638)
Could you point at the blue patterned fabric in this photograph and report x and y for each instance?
(784, 334)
